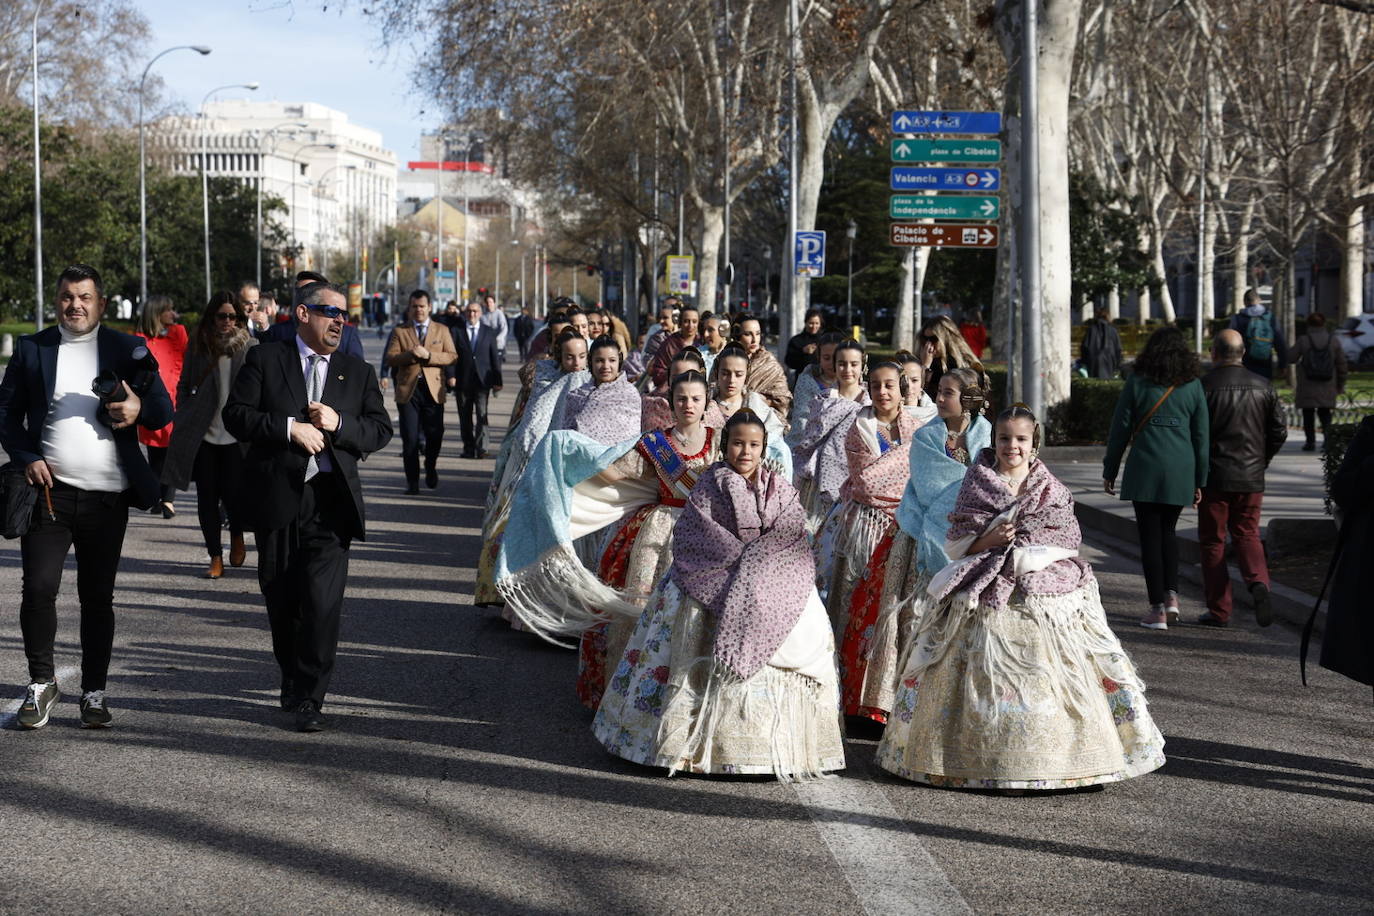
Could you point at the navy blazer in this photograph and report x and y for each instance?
(27, 391)
(271, 387)
(479, 369)
(285, 332)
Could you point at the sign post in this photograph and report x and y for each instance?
(973, 151)
(943, 206)
(809, 254)
(678, 275)
(943, 235)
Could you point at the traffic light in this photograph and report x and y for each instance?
(591, 271)
(435, 262)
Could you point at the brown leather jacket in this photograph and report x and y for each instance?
(1248, 428)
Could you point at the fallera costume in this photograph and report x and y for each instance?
(818, 459)
(730, 669)
(1013, 679)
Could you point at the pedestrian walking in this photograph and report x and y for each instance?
(1246, 431)
(251, 300)
(202, 449)
(524, 332)
(285, 332)
(494, 317)
(1321, 375)
(801, 349)
(1348, 641)
(416, 356)
(688, 320)
(167, 341)
(1161, 416)
(766, 374)
(1264, 340)
(974, 332)
(477, 373)
(941, 348)
(663, 328)
(309, 413)
(83, 452)
(1100, 349)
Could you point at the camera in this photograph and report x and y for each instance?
(108, 389)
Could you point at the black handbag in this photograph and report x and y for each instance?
(18, 498)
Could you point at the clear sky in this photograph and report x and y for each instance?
(298, 52)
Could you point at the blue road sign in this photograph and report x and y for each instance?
(946, 122)
(809, 254)
(909, 178)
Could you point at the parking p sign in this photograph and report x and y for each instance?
(809, 254)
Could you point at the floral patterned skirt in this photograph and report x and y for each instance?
(664, 705)
(1036, 695)
(636, 557)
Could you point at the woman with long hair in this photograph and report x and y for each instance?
(201, 448)
(167, 341)
(1162, 418)
(942, 347)
(818, 458)
(766, 374)
(816, 379)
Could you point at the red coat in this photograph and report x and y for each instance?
(170, 352)
(976, 336)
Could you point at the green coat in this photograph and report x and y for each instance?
(1168, 459)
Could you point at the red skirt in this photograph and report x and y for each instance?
(865, 604)
(614, 571)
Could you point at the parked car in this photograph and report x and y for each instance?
(1357, 340)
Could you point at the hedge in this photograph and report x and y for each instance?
(1084, 420)
(1335, 441)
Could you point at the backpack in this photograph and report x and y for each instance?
(1318, 365)
(1259, 337)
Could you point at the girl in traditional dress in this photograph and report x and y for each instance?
(920, 405)
(857, 539)
(730, 393)
(818, 458)
(606, 408)
(1014, 680)
(766, 374)
(542, 367)
(815, 379)
(731, 666)
(569, 353)
(657, 413)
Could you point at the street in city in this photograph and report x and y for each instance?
(462, 775)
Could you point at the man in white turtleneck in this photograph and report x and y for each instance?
(84, 459)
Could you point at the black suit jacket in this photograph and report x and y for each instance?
(477, 369)
(271, 387)
(27, 391)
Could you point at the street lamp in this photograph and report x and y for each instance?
(262, 177)
(142, 173)
(204, 173)
(37, 187)
(319, 193)
(496, 287)
(850, 233)
(294, 171)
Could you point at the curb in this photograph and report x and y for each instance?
(1118, 532)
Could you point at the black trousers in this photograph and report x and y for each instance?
(1309, 425)
(93, 523)
(302, 570)
(1155, 524)
(218, 474)
(422, 429)
(472, 419)
(157, 459)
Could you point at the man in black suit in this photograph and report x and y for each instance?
(309, 413)
(82, 451)
(478, 372)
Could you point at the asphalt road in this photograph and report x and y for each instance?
(461, 774)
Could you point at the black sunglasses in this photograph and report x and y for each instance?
(329, 311)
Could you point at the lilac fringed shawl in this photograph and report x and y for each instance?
(1045, 517)
(742, 552)
(608, 413)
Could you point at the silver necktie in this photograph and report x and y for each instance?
(312, 394)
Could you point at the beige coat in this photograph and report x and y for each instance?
(406, 370)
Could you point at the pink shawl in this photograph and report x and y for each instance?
(743, 553)
(1045, 517)
(878, 479)
(768, 378)
(608, 413)
(820, 453)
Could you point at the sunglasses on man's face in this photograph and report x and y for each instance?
(332, 312)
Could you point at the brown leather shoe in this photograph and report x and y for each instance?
(216, 568)
(237, 552)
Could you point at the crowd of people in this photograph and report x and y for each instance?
(746, 554)
(745, 562)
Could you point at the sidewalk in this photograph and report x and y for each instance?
(1293, 490)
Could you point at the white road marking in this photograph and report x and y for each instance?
(889, 870)
(10, 711)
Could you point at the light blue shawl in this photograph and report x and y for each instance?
(932, 489)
